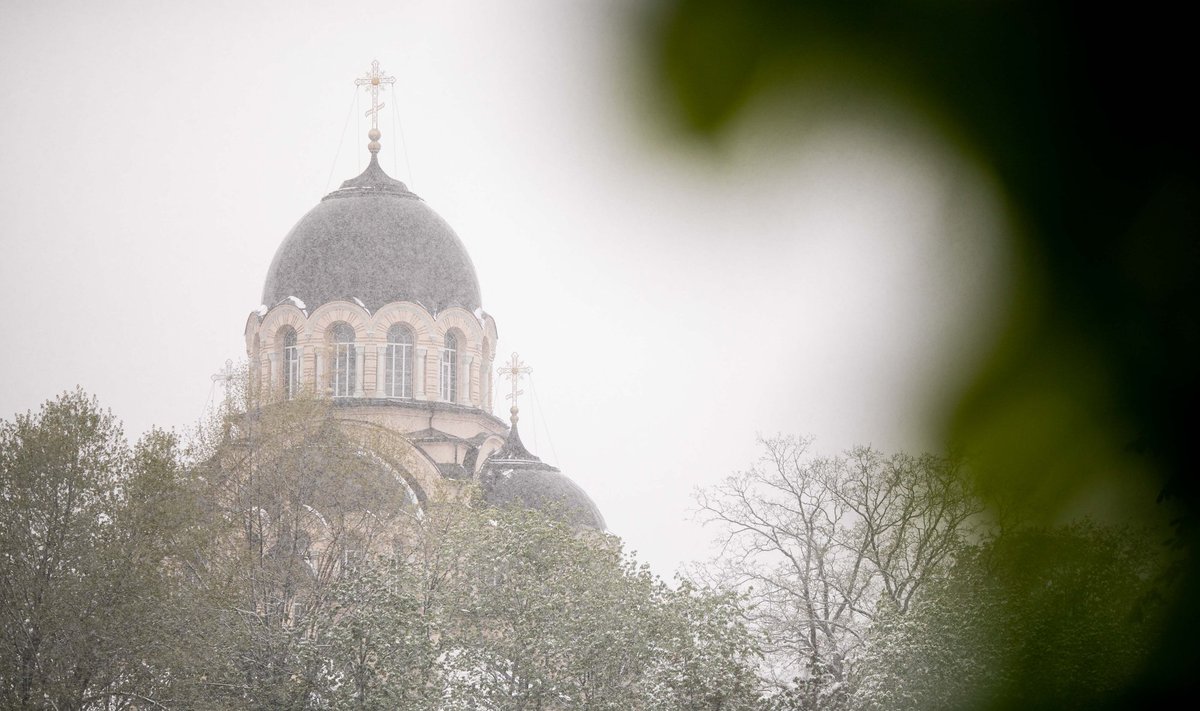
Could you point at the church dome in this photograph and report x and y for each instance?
(541, 488)
(513, 476)
(375, 241)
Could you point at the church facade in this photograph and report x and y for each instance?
(372, 300)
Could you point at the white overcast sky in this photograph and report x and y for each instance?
(673, 303)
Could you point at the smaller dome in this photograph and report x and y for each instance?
(544, 489)
(513, 476)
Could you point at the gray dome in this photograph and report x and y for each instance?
(373, 240)
(541, 488)
(513, 476)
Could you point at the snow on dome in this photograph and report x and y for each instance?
(374, 238)
(514, 476)
(539, 486)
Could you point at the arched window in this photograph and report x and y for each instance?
(449, 379)
(291, 364)
(344, 360)
(397, 362)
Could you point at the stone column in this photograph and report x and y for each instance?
(380, 364)
(488, 375)
(420, 390)
(319, 371)
(477, 381)
(360, 374)
(464, 380)
(272, 371)
(303, 375)
(481, 398)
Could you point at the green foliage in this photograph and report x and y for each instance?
(286, 566)
(93, 596)
(712, 654)
(511, 609)
(381, 650)
(297, 505)
(1043, 618)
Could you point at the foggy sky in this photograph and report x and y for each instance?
(818, 274)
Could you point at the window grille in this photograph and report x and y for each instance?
(449, 379)
(398, 363)
(344, 362)
(291, 364)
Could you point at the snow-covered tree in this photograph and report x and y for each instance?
(277, 564)
(95, 604)
(340, 593)
(821, 543)
(301, 508)
(513, 609)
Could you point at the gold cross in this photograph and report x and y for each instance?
(514, 370)
(374, 81)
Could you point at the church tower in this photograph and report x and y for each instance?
(372, 300)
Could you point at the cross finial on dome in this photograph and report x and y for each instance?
(513, 371)
(513, 448)
(374, 81)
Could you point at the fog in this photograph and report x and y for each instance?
(675, 301)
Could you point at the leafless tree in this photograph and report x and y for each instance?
(821, 543)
